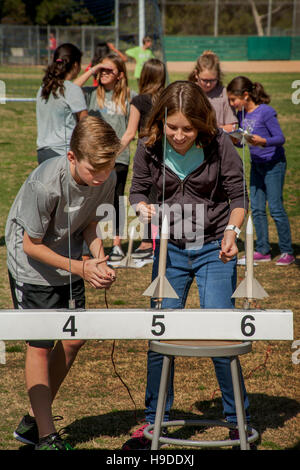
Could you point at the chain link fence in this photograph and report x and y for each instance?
(29, 45)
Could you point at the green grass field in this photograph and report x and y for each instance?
(98, 413)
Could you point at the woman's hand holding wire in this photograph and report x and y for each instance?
(145, 211)
(96, 272)
(229, 248)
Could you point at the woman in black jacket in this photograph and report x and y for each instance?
(200, 186)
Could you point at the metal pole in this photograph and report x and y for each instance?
(38, 52)
(296, 14)
(117, 6)
(48, 48)
(216, 24)
(141, 21)
(269, 18)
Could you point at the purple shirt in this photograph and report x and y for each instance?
(263, 121)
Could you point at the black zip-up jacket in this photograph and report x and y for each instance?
(217, 186)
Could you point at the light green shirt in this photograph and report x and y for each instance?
(183, 165)
(140, 56)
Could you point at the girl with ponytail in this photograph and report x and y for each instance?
(60, 103)
(268, 165)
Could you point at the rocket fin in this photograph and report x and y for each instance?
(127, 263)
(257, 290)
(154, 288)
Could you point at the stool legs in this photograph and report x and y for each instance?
(239, 403)
(161, 402)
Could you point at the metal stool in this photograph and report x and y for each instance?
(196, 348)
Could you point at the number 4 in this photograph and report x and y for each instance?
(70, 326)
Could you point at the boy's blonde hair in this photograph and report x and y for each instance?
(94, 140)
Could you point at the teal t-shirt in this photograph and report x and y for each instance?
(183, 165)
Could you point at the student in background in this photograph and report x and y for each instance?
(110, 100)
(60, 104)
(207, 74)
(268, 166)
(140, 54)
(151, 84)
(102, 49)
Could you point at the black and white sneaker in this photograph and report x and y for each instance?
(142, 254)
(116, 254)
(27, 431)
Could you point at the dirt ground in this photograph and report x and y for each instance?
(255, 66)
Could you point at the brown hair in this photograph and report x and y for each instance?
(239, 85)
(208, 60)
(95, 140)
(121, 92)
(146, 39)
(65, 56)
(153, 78)
(189, 99)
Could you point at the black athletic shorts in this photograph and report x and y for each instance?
(33, 296)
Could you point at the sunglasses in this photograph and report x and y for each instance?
(107, 71)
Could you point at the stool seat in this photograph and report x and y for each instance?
(200, 348)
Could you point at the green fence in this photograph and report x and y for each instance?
(239, 48)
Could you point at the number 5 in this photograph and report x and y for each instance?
(161, 326)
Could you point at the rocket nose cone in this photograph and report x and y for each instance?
(249, 228)
(165, 227)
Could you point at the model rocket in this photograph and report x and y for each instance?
(249, 287)
(161, 288)
(128, 262)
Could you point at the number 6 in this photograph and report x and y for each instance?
(244, 325)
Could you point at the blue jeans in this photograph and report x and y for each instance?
(216, 282)
(266, 184)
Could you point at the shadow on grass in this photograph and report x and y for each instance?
(267, 412)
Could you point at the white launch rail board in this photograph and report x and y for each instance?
(150, 324)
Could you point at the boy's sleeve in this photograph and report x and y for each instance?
(76, 99)
(34, 209)
(105, 209)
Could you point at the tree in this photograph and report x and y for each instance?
(258, 19)
(13, 12)
(61, 13)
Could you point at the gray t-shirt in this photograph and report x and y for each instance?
(41, 209)
(56, 117)
(219, 100)
(111, 114)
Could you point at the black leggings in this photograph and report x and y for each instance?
(121, 172)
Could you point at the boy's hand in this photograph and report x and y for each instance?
(97, 273)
